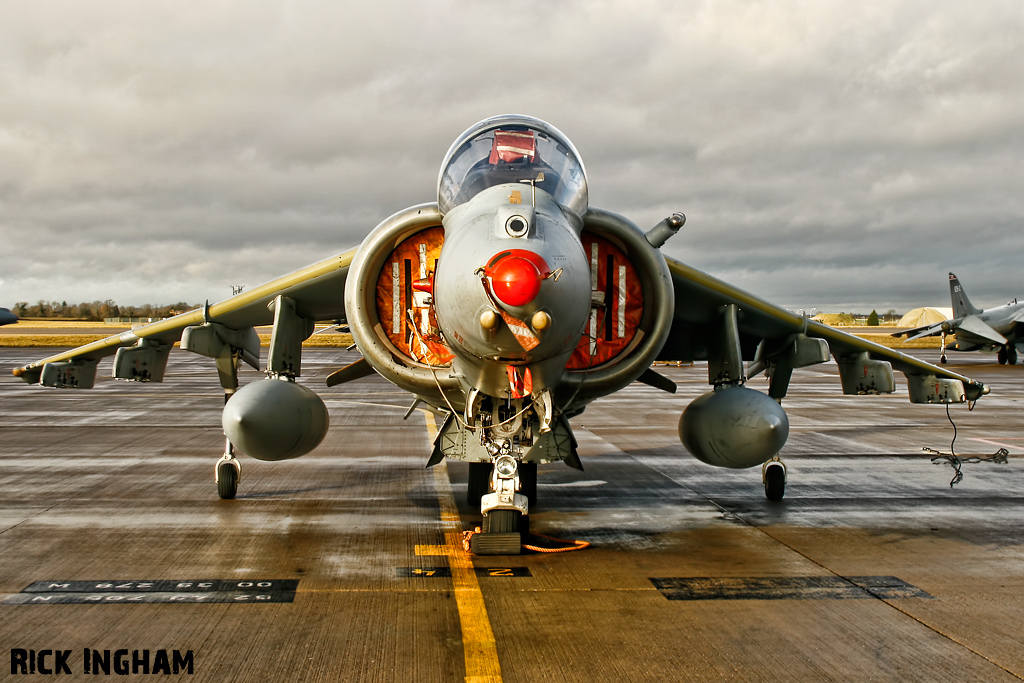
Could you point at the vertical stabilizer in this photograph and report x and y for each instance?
(962, 306)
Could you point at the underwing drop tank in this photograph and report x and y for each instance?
(275, 419)
(734, 427)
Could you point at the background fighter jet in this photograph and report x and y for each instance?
(6, 317)
(997, 329)
(508, 305)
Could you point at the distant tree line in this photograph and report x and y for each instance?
(873, 319)
(95, 310)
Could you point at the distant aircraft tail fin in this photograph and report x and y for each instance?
(962, 306)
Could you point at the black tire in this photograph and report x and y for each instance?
(501, 522)
(943, 360)
(1001, 355)
(528, 482)
(227, 481)
(479, 483)
(775, 482)
(1011, 354)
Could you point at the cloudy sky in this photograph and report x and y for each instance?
(834, 155)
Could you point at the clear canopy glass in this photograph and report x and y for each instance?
(511, 149)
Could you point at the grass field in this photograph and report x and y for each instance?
(894, 343)
(49, 323)
(11, 337)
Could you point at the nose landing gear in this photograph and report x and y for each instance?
(504, 511)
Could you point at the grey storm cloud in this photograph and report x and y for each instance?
(827, 154)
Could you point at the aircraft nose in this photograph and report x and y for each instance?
(516, 276)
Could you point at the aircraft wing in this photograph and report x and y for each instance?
(318, 292)
(979, 328)
(927, 330)
(971, 323)
(767, 333)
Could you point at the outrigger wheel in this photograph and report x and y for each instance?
(774, 475)
(228, 470)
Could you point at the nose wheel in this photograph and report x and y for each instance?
(502, 533)
(774, 475)
(501, 522)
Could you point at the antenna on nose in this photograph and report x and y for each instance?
(533, 185)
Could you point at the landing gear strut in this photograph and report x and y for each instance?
(773, 473)
(504, 510)
(479, 482)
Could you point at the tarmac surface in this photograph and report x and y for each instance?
(345, 565)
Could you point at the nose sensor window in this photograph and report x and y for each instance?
(516, 226)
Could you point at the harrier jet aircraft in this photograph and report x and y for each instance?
(6, 317)
(508, 305)
(999, 329)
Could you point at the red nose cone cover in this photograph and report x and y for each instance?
(515, 280)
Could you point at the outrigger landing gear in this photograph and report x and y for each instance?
(228, 347)
(227, 474)
(228, 470)
(773, 473)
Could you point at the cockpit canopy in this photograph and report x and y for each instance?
(512, 149)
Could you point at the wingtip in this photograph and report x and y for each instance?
(975, 390)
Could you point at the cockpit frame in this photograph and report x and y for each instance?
(513, 149)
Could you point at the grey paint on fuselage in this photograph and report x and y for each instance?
(474, 233)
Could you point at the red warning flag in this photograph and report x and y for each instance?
(521, 331)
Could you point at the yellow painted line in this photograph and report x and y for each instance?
(478, 644)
